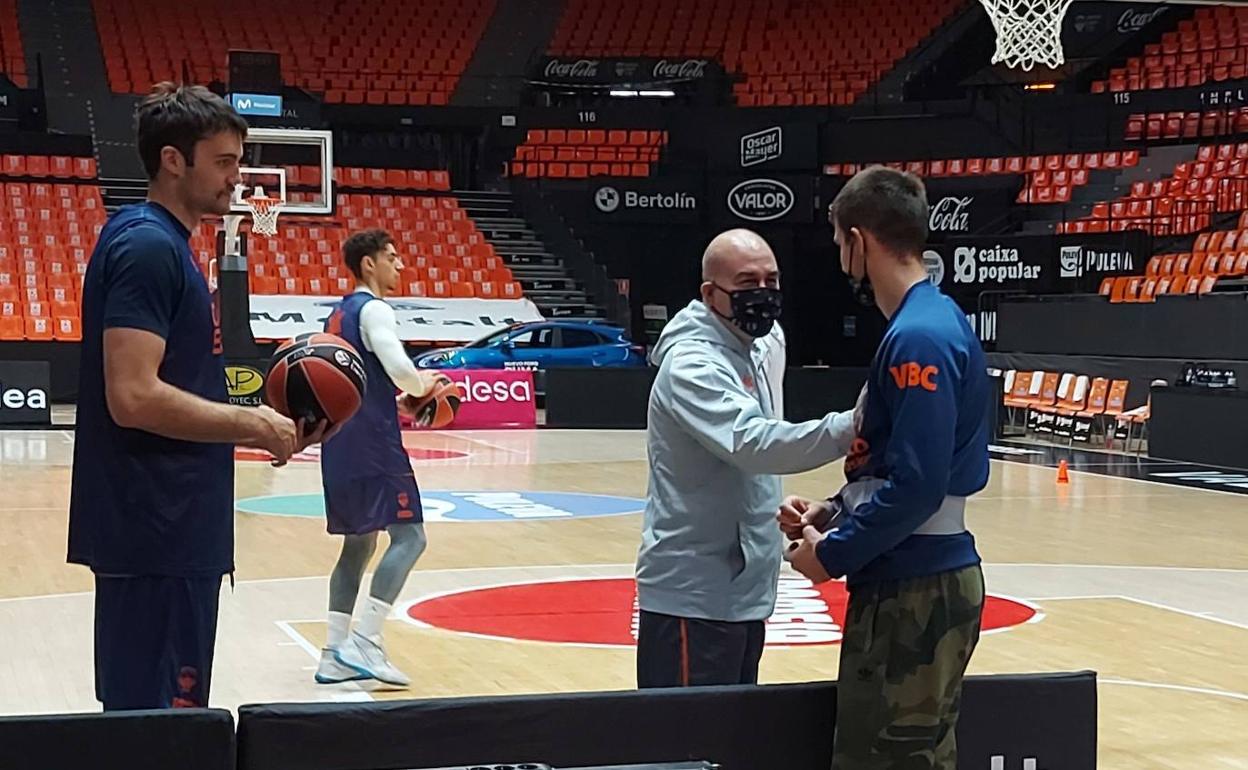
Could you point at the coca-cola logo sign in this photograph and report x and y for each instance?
(951, 215)
(689, 69)
(581, 68)
(1134, 19)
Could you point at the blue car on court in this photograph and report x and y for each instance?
(541, 345)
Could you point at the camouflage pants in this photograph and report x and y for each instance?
(906, 647)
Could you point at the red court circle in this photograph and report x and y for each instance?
(602, 611)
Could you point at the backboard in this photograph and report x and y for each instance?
(296, 165)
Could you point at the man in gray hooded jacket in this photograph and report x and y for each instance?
(710, 551)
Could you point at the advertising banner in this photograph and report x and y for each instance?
(755, 146)
(493, 399)
(421, 319)
(660, 201)
(1035, 264)
(24, 388)
(244, 382)
(1101, 26)
(969, 206)
(744, 201)
(638, 70)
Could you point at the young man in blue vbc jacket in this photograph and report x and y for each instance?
(897, 529)
(710, 554)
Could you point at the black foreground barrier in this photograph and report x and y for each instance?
(1007, 721)
(186, 739)
(1199, 425)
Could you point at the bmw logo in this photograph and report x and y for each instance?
(607, 199)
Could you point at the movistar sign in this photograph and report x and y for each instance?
(257, 104)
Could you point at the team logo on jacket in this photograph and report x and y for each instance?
(604, 612)
(912, 375)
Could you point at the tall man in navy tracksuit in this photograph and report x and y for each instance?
(897, 529)
(151, 507)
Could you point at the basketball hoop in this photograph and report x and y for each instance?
(264, 212)
(1029, 32)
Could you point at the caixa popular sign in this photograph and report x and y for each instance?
(24, 389)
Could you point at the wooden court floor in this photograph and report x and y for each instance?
(520, 591)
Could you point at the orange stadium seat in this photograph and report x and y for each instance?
(317, 47)
(771, 69)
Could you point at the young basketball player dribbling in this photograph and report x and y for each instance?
(368, 479)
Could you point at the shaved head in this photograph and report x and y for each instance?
(734, 251)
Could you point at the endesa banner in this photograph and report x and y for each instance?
(24, 389)
(493, 399)
(421, 319)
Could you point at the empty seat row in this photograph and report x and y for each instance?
(40, 329)
(1211, 46)
(1199, 263)
(443, 251)
(577, 170)
(797, 61)
(1047, 401)
(425, 48)
(581, 153)
(586, 154)
(1155, 126)
(341, 286)
(354, 177)
(1137, 288)
(1183, 202)
(556, 137)
(12, 55)
(1016, 164)
(47, 166)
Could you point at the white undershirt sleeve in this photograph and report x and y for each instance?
(379, 331)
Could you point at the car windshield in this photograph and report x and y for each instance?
(492, 338)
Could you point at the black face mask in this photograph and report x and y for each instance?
(861, 287)
(754, 311)
(864, 292)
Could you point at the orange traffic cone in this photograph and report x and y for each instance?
(1063, 472)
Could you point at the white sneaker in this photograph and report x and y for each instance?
(369, 658)
(330, 671)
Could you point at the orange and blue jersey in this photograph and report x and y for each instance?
(924, 433)
(365, 471)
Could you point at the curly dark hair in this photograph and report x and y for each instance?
(365, 243)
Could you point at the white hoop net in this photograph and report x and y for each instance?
(264, 212)
(1029, 32)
